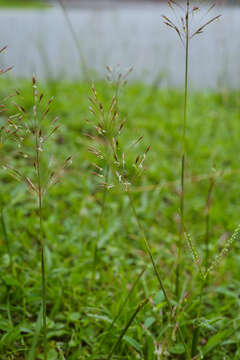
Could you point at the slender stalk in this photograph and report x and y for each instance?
(100, 221)
(126, 299)
(148, 249)
(208, 206)
(76, 41)
(183, 159)
(140, 306)
(41, 240)
(124, 304)
(43, 273)
(205, 281)
(196, 331)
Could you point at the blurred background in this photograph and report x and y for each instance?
(69, 38)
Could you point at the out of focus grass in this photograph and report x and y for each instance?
(80, 310)
(23, 4)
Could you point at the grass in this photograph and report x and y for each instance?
(23, 4)
(80, 310)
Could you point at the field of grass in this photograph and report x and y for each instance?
(83, 299)
(23, 4)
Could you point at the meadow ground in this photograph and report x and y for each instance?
(82, 301)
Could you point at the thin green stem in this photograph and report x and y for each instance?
(183, 158)
(100, 222)
(126, 299)
(147, 246)
(43, 273)
(196, 331)
(140, 306)
(208, 207)
(41, 240)
(148, 249)
(76, 41)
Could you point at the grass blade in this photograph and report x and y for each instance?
(140, 306)
(6, 239)
(126, 299)
(31, 354)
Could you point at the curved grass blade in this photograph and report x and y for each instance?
(31, 354)
(140, 306)
(127, 298)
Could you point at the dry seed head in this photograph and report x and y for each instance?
(34, 79)
(138, 140)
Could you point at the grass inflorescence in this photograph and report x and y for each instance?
(104, 266)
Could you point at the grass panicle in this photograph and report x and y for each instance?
(187, 27)
(108, 127)
(32, 137)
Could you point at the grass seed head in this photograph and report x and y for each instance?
(185, 22)
(106, 129)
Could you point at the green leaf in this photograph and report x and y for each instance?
(158, 298)
(75, 316)
(177, 349)
(215, 340)
(149, 321)
(132, 342)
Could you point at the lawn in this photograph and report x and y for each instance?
(83, 222)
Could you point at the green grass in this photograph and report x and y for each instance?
(80, 310)
(23, 4)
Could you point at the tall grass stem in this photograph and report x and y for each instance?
(41, 240)
(148, 249)
(76, 41)
(183, 159)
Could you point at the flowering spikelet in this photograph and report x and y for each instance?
(31, 131)
(10, 128)
(106, 129)
(3, 71)
(186, 22)
(195, 256)
(234, 238)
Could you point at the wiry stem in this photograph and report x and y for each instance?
(196, 332)
(208, 206)
(140, 306)
(126, 299)
(100, 224)
(42, 247)
(75, 39)
(147, 246)
(183, 159)
(43, 272)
